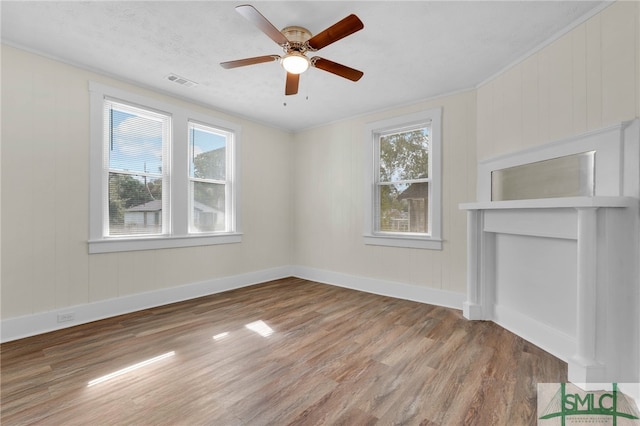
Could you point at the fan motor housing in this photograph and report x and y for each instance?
(296, 34)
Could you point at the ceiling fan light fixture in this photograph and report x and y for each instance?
(295, 63)
(296, 42)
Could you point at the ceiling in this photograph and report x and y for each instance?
(408, 51)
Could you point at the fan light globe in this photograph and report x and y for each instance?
(295, 63)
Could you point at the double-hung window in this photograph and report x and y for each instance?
(136, 143)
(161, 176)
(208, 185)
(403, 181)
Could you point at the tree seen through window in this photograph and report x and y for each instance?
(404, 181)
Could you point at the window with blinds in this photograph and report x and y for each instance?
(137, 140)
(161, 175)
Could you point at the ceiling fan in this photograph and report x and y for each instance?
(296, 41)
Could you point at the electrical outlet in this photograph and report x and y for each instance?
(69, 316)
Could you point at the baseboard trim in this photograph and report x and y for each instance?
(44, 322)
(432, 296)
(552, 340)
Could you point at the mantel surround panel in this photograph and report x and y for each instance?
(563, 272)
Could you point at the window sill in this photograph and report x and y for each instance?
(403, 241)
(111, 245)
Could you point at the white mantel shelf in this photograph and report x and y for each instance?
(552, 203)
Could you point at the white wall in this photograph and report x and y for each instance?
(45, 199)
(300, 194)
(329, 202)
(585, 80)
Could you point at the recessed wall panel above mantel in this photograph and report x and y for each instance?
(568, 176)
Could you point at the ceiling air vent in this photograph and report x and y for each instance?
(181, 80)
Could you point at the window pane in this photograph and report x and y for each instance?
(404, 208)
(404, 155)
(208, 154)
(135, 204)
(207, 207)
(135, 142)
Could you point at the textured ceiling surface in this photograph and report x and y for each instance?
(408, 51)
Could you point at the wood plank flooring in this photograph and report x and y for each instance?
(334, 357)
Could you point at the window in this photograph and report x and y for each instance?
(161, 176)
(403, 181)
(208, 184)
(136, 142)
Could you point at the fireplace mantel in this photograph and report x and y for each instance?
(552, 203)
(563, 272)
(586, 223)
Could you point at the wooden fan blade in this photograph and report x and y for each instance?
(337, 31)
(291, 86)
(251, 14)
(336, 68)
(249, 61)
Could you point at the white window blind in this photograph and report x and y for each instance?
(137, 141)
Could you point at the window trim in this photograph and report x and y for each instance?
(433, 241)
(178, 235)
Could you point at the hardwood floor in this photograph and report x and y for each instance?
(334, 356)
